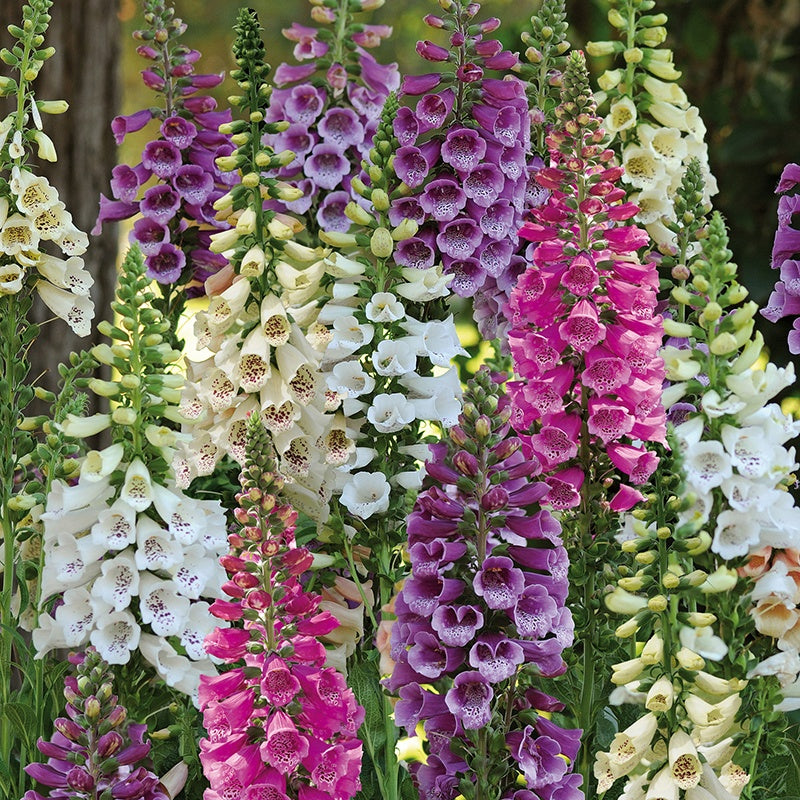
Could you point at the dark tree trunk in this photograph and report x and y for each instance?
(86, 36)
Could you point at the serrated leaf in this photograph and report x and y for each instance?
(22, 719)
(364, 680)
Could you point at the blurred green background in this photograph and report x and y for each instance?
(740, 61)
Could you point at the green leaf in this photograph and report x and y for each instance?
(605, 729)
(22, 719)
(793, 768)
(364, 680)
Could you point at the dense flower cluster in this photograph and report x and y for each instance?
(464, 153)
(584, 333)
(95, 749)
(32, 217)
(261, 306)
(176, 210)
(387, 337)
(657, 131)
(482, 614)
(283, 725)
(333, 106)
(124, 548)
(785, 299)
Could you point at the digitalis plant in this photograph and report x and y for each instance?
(128, 555)
(175, 212)
(263, 305)
(40, 251)
(653, 126)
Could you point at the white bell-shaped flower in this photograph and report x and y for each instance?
(437, 340)
(391, 412)
(156, 549)
(707, 465)
(161, 605)
(195, 571)
(366, 493)
(69, 562)
(199, 623)
(118, 582)
(99, 464)
(736, 534)
(395, 357)
(384, 307)
(137, 491)
(115, 636)
(115, 528)
(76, 310)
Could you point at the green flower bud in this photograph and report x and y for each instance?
(104, 388)
(124, 415)
(381, 243)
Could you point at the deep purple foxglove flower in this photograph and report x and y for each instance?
(181, 155)
(483, 608)
(94, 752)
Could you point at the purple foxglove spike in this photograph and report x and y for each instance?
(442, 473)
(380, 78)
(499, 582)
(108, 744)
(433, 21)
(430, 658)
(432, 109)
(790, 177)
(470, 700)
(123, 125)
(553, 561)
(568, 788)
(556, 587)
(124, 183)
(495, 657)
(534, 612)
(212, 138)
(425, 595)
(457, 625)
(147, 52)
(786, 245)
(199, 104)
(495, 499)
(568, 739)
(420, 84)
(420, 528)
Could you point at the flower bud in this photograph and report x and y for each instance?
(52, 106)
(124, 415)
(633, 55)
(722, 344)
(681, 295)
(737, 293)
(353, 211)
(381, 243)
(688, 659)
(596, 49)
(658, 603)
(109, 743)
(47, 150)
(380, 200)
(627, 629)
(405, 230)
(681, 330)
(279, 229)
